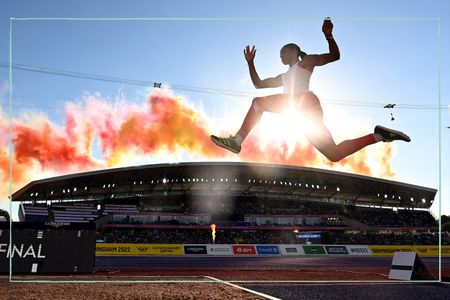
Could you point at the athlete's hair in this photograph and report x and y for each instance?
(295, 47)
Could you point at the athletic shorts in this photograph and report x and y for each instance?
(306, 103)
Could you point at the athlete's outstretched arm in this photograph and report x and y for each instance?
(257, 82)
(333, 55)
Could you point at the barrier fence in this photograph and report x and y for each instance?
(107, 249)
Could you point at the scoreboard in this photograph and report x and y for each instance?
(47, 247)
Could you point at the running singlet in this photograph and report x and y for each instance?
(296, 80)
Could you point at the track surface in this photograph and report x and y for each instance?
(280, 277)
(274, 262)
(256, 273)
(398, 291)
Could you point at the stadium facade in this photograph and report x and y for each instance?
(270, 181)
(284, 203)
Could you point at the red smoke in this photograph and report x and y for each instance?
(125, 132)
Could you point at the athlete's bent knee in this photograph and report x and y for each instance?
(332, 156)
(256, 104)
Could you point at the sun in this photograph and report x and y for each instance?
(284, 128)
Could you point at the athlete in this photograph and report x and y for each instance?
(297, 95)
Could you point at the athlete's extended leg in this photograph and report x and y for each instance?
(322, 140)
(273, 103)
(320, 137)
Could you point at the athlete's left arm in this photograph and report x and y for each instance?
(333, 55)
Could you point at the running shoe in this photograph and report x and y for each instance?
(390, 135)
(228, 143)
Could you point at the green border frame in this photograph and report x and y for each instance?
(224, 19)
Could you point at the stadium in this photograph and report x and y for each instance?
(233, 196)
(242, 222)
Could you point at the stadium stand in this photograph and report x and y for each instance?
(74, 213)
(120, 208)
(250, 203)
(33, 213)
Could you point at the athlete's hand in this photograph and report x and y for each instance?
(327, 27)
(249, 53)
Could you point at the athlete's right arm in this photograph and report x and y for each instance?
(257, 82)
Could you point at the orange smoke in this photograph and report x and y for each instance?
(125, 133)
(169, 126)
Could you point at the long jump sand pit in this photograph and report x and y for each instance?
(94, 287)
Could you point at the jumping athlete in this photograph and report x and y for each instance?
(298, 96)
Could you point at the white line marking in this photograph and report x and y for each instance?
(244, 289)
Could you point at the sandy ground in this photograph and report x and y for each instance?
(111, 291)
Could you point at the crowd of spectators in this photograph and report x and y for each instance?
(194, 236)
(155, 236)
(403, 238)
(376, 217)
(284, 206)
(201, 236)
(390, 218)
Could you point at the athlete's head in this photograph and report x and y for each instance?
(290, 53)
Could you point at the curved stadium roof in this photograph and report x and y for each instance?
(207, 178)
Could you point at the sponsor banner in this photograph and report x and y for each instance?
(388, 250)
(358, 250)
(316, 250)
(291, 250)
(139, 249)
(267, 250)
(335, 249)
(244, 249)
(214, 249)
(195, 249)
(432, 250)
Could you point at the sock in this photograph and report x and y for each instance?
(377, 137)
(238, 139)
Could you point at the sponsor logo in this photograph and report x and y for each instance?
(142, 249)
(195, 250)
(359, 250)
(57, 224)
(421, 250)
(165, 250)
(314, 250)
(336, 250)
(105, 249)
(391, 250)
(308, 236)
(291, 250)
(267, 250)
(219, 249)
(243, 249)
(387, 250)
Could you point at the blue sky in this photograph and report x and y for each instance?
(382, 61)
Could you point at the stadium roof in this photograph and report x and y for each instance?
(221, 178)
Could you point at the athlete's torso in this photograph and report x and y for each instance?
(296, 80)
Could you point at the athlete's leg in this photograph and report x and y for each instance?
(320, 137)
(322, 140)
(274, 103)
